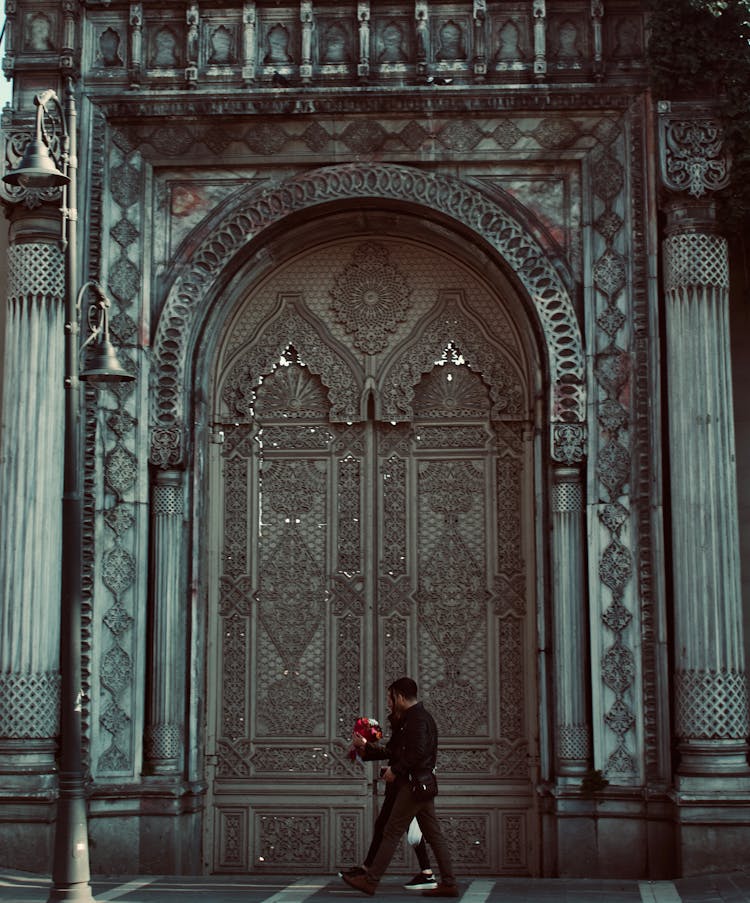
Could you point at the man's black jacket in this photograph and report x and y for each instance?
(412, 747)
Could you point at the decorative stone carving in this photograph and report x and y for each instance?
(693, 156)
(370, 297)
(712, 703)
(109, 50)
(136, 44)
(249, 23)
(163, 733)
(709, 650)
(363, 18)
(540, 38)
(480, 39)
(454, 198)
(451, 332)
(291, 326)
(570, 621)
(693, 260)
(31, 703)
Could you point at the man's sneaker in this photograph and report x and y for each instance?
(442, 890)
(421, 882)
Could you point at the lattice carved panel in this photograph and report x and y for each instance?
(289, 840)
(469, 838)
(231, 839)
(30, 704)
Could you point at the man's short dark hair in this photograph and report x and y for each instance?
(405, 687)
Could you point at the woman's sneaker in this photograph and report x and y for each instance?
(421, 882)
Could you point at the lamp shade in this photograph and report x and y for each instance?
(36, 168)
(103, 365)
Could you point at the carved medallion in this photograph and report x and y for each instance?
(370, 297)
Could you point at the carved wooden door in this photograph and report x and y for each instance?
(349, 554)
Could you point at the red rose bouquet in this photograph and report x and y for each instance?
(368, 728)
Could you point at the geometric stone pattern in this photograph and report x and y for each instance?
(711, 704)
(574, 741)
(612, 450)
(695, 259)
(29, 705)
(34, 264)
(119, 436)
(163, 741)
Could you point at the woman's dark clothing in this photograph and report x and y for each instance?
(377, 832)
(374, 751)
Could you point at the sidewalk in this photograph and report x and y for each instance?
(21, 887)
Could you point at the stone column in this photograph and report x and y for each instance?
(135, 61)
(248, 41)
(540, 39)
(363, 17)
(31, 483)
(480, 49)
(570, 623)
(165, 718)
(711, 717)
(306, 18)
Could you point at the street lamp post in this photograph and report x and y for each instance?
(38, 169)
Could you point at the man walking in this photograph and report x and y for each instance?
(414, 754)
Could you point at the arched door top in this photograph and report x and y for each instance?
(263, 207)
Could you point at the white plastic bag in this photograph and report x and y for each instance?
(414, 834)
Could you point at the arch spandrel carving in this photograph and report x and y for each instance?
(450, 327)
(258, 209)
(290, 326)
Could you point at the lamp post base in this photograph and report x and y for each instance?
(70, 872)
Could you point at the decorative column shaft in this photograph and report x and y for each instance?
(31, 481)
(164, 733)
(570, 620)
(710, 682)
(540, 39)
(248, 41)
(363, 17)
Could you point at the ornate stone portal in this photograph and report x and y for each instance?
(386, 277)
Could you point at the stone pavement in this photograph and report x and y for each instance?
(22, 887)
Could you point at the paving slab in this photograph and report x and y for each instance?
(22, 887)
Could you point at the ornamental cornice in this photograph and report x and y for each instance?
(265, 102)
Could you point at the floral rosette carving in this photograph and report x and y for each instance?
(370, 297)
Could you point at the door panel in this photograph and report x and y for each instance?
(351, 555)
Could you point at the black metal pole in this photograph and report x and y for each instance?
(70, 870)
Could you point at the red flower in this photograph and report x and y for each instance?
(370, 730)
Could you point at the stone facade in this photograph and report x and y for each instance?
(429, 311)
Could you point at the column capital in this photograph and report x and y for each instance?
(694, 158)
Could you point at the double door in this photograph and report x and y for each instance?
(347, 555)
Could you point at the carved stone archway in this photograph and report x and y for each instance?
(263, 207)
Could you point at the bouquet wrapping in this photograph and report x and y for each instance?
(368, 728)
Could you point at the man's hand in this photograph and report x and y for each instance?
(388, 775)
